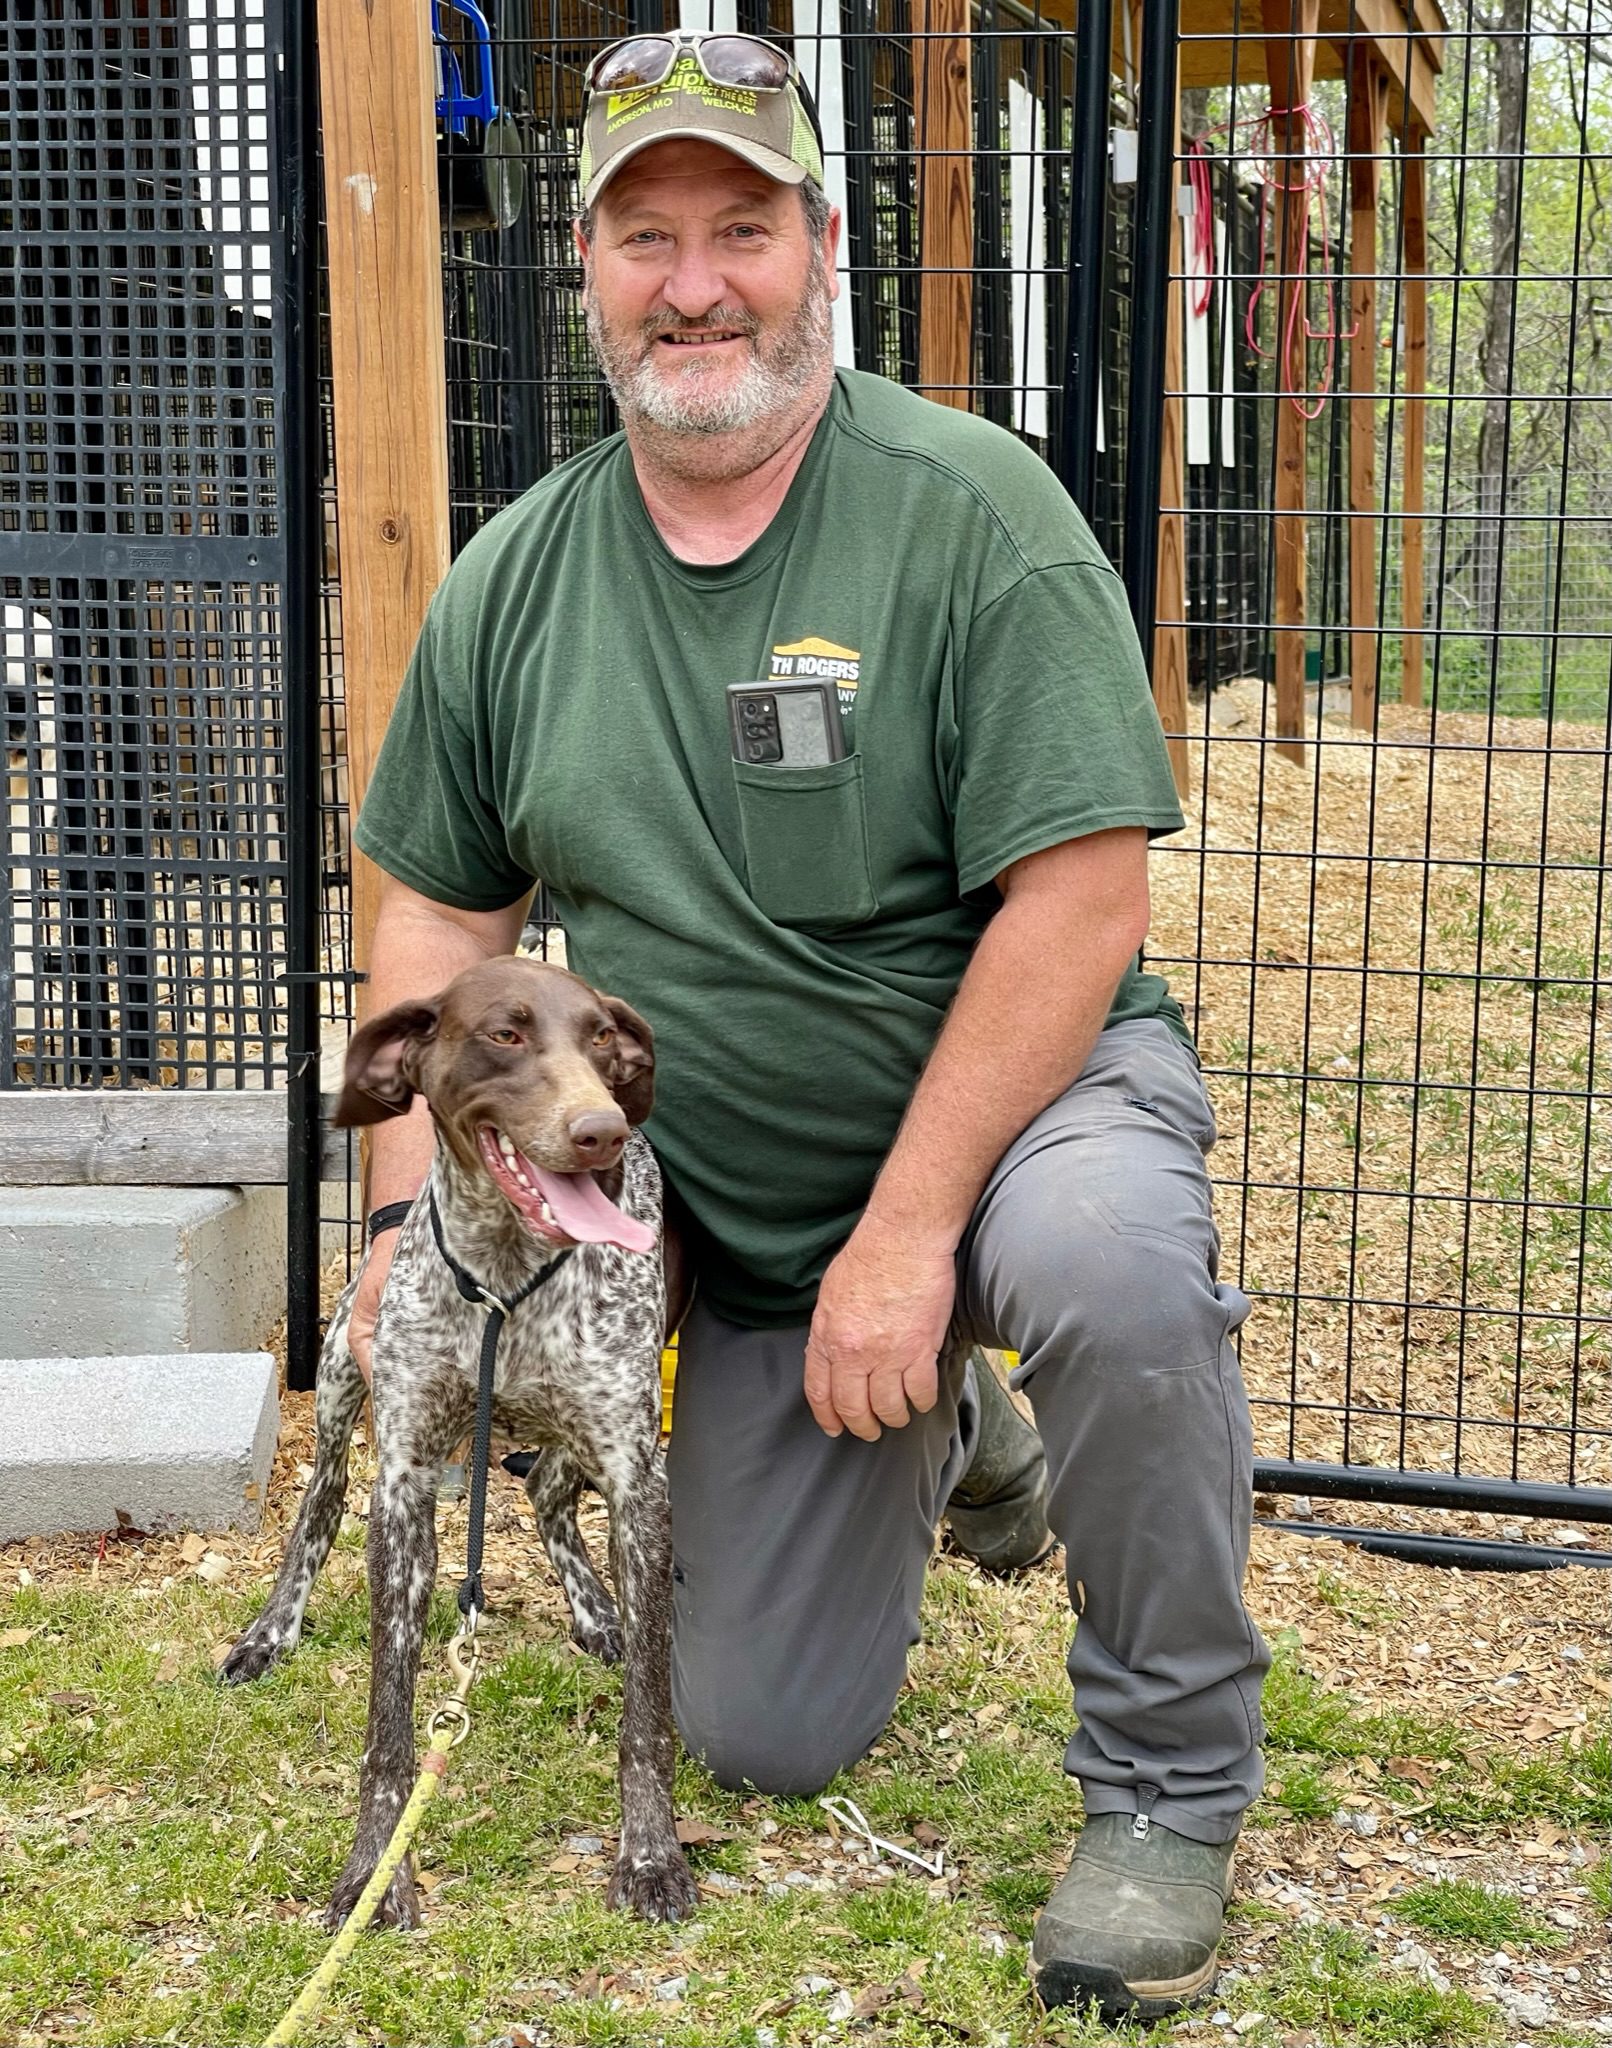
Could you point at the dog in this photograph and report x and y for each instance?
(536, 1085)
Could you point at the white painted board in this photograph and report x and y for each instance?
(1027, 258)
(821, 57)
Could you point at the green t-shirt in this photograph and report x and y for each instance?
(793, 935)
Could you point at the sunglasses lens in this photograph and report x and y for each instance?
(645, 60)
(739, 60)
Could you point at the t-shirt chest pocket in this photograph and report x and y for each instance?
(805, 837)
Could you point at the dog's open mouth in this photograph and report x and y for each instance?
(560, 1208)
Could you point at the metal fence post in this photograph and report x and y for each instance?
(1155, 199)
(300, 682)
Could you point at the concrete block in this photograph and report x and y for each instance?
(177, 1442)
(93, 1271)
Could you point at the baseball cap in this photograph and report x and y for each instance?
(770, 127)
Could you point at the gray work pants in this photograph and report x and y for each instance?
(800, 1558)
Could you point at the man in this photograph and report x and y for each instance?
(914, 1092)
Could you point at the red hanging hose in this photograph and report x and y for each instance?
(1308, 193)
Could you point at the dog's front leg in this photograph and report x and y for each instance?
(651, 1876)
(402, 1555)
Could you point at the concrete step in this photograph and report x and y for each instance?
(175, 1442)
(93, 1271)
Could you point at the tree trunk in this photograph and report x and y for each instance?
(1509, 57)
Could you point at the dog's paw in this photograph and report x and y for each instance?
(657, 1886)
(259, 1650)
(599, 1636)
(399, 1908)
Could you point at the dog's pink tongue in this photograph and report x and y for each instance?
(584, 1211)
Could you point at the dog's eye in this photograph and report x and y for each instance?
(504, 1036)
(605, 1035)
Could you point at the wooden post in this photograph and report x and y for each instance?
(1412, 482)
(1290, 28)
(377, 85)
(1368, 107)
(1170, 639)
(943, 123)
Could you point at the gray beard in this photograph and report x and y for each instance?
(777, 374)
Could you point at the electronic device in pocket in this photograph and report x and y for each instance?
(786, 723)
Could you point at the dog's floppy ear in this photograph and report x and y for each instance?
(383, 1064)
(632, 1073)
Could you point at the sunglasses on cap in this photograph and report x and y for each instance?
(639, 63)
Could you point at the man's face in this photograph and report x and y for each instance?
(707, 299)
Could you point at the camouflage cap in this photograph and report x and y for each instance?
(771, 130)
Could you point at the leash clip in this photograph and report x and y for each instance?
(450, 1723)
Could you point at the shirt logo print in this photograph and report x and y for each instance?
(812, 656)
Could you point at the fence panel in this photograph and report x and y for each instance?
(143, 534)
(1389, 913)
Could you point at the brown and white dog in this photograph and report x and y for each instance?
(536, 1084)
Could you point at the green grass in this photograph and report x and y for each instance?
(1474, 1783)
(1359, 1604)
(163, 1841)
(1463, 1911)
(1330, 1981)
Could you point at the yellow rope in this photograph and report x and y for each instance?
(308, 2000)
(448, 1727)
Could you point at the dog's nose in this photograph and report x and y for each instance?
(598, 1135)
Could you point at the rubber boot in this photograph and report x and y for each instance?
(1134, 1925)
(997, 1512)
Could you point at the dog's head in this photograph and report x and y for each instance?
(534, 1080)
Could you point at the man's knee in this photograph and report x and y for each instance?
(1095, 1289)
(761, 1753)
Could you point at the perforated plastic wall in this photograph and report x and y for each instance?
(142, 541)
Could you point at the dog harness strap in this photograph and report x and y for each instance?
(472, 1597)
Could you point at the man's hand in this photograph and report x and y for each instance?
(367, 1301)
(881, 1318)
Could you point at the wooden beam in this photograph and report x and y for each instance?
(943, 123)
(1410, 63)
(159, 1137)
(1368, 108)
(1216, 47)
(1289, 66)
(377, 88)
(1413, 480)
(1170, 639)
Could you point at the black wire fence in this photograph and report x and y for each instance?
(144, 519)
(1389, 913)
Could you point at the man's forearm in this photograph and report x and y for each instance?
(417, 950)
(1021, 1027)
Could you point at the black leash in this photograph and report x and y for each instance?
(472, 1597)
